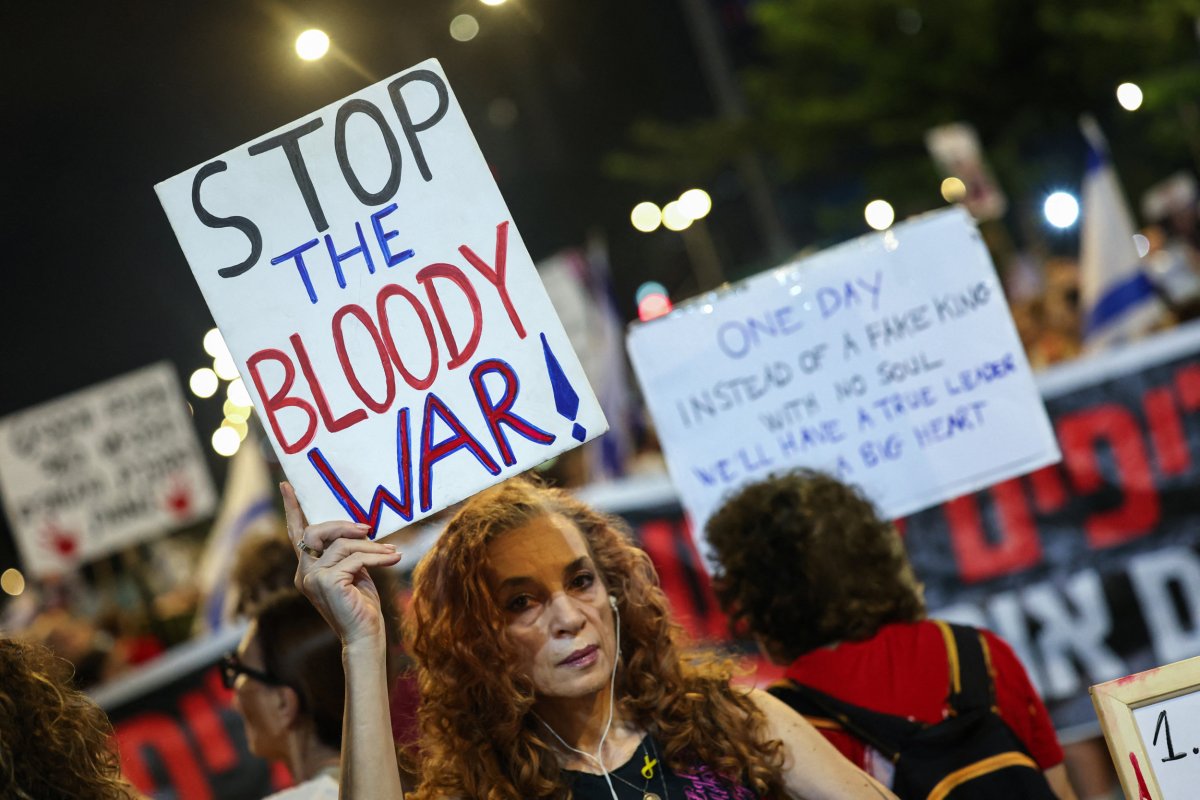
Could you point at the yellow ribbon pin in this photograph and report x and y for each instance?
(648, 768)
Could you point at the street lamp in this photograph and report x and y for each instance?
(695, 203)
(1129, 95)
(879, 214)
(674, 217)
(954, 190)
(203, 382)
(685, 215)
(464, 28)
(312, 44)
(646, 217)
(1061, 209)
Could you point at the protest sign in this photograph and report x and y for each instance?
(956, 153)
(890, 361)
(1137, 713)
(98, 470)
(1090, 568)
(381, 306)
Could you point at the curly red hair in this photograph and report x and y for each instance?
(55, 742)
(478, 739)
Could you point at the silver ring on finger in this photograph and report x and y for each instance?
(312, 551)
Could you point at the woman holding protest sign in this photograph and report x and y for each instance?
(549, 668)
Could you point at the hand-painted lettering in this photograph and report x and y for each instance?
(385, 328)
(500, 412)
(371, 112)
(272, 403)
(432, 453)
(210, 219)
(498, 276)
(860, 292)
(339, 343)
(289, 142)
(736, 338)
(452, 273)
(410, 128)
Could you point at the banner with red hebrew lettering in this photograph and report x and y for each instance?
(179, 736)
(369, 280)
(1090, 568)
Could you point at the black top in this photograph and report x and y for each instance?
(698, 783)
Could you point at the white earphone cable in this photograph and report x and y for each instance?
(612, 699)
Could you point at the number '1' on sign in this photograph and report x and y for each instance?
(1151, 722)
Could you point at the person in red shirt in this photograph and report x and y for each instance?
(827, 590)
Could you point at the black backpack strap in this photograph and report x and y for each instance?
(971, 682)
(884, 732)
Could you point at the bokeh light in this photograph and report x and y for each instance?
(1142, 244)
(1129, 95)
(1061, 209)
(237, 394)
(652, 306)
(492, 2)
(695, 203)
(502, 112)
(646, 217)
(203, 382)
(648, 288)
(464, 28)
(953, 190)
(234, 412)
(879, 214)
(312, 44)
(214, 343)
(12, 581)
(224, 367)
(674, 218)
(225, 441)
(239, 427)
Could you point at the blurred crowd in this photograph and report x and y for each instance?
(120, 612)
(117, 614)
(1044, 294)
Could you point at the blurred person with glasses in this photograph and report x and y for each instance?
(289, 687)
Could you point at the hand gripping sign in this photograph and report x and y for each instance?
(381, 306)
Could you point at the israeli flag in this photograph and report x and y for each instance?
(1119, 303)
(248, 504)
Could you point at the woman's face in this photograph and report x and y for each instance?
(556, 606)
(259, 703)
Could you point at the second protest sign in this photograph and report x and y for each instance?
(382, 308)
(890, 361)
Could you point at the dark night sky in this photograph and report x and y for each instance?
(106, 99)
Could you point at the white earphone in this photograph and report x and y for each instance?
(612, 687)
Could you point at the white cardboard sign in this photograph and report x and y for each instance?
(381, 306)
(98, 470)
(890, 361)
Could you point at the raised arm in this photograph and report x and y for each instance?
(332, 573)
(813, 769)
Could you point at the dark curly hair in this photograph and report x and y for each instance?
(301, 650)
(805, 561)
(55, 742)
(478, 737)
